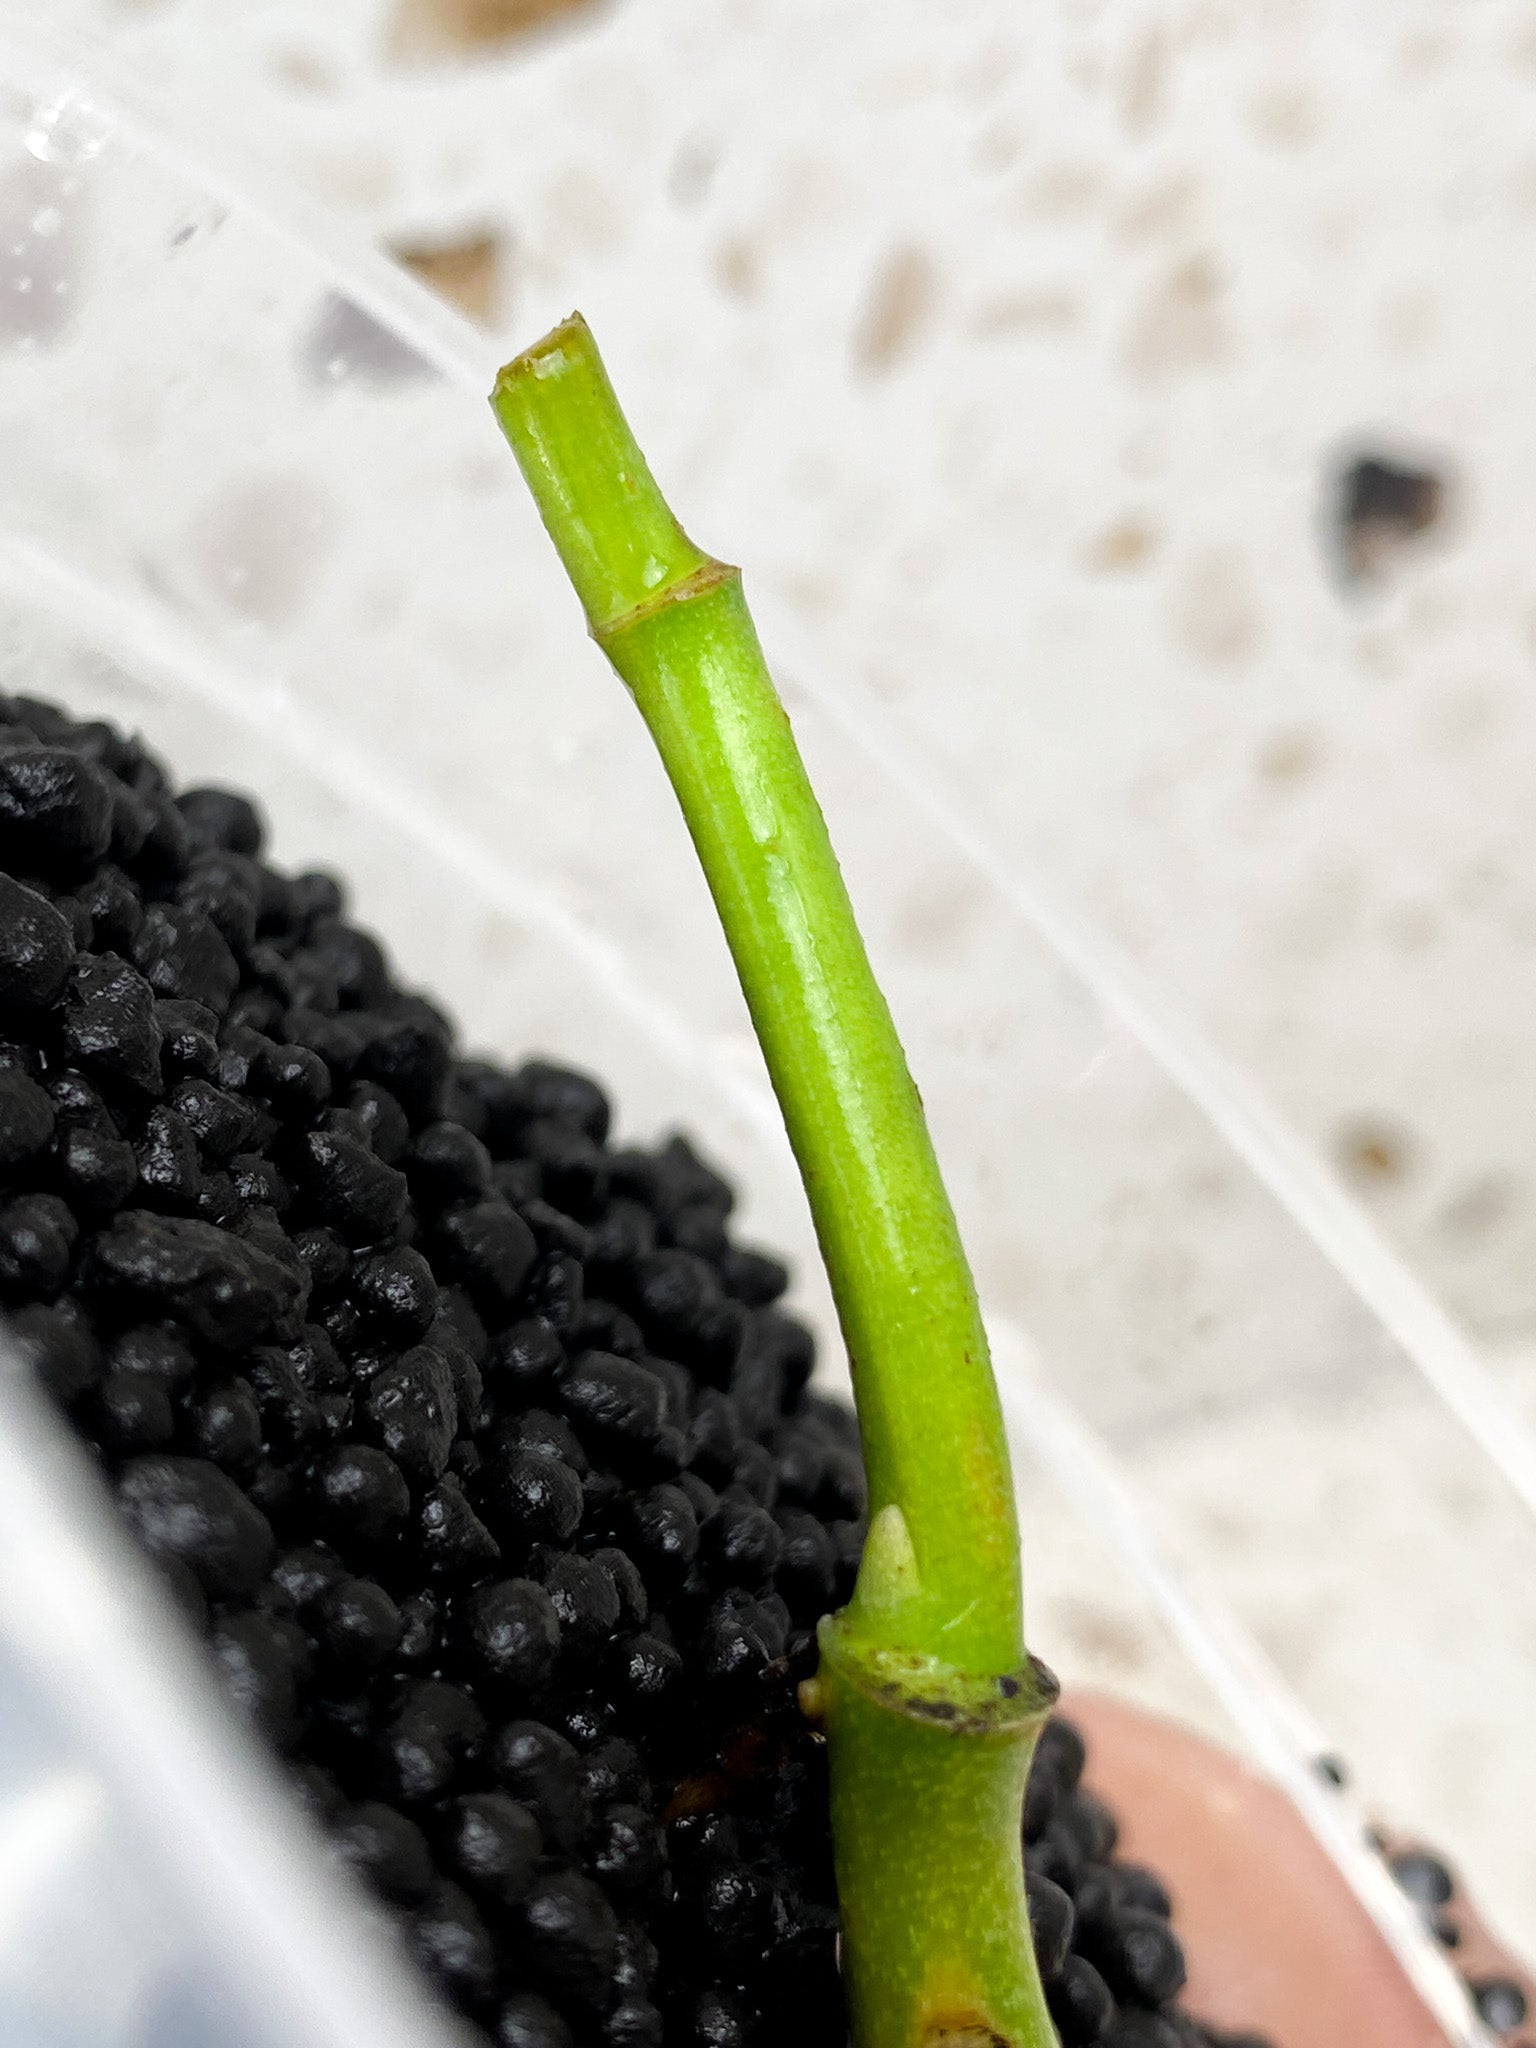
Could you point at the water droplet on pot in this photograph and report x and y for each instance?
(43, 225)
(68, 129)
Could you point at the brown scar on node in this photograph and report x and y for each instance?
(958, 2027)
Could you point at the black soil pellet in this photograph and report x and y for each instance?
(1423, 1877)
(1501, 2004)
(1082, 2004)
(483, 1459)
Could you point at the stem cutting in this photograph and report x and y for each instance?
(929, 1703)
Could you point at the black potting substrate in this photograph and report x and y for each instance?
(477, 1451)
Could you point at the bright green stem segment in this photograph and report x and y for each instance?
(675, 626)
(928, 1755)
(928, 1771)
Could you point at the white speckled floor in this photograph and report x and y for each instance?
(1018, 355)
(1020, 358)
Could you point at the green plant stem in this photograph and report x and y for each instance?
(929, 1705)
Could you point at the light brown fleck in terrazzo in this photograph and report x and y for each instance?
(1061, 191)
(437, 28)
(1179, 324)
(1373, 1151)
(1215, 618)
(1286, 115)
(1040, 312)
(898, 302)
(1125, 544)
(738, 266)
(1288, 758)
(1145, 83)
(468, 273)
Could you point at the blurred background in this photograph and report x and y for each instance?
(1121, 412)
(1132, 406)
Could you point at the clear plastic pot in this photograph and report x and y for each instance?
(252, 502)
